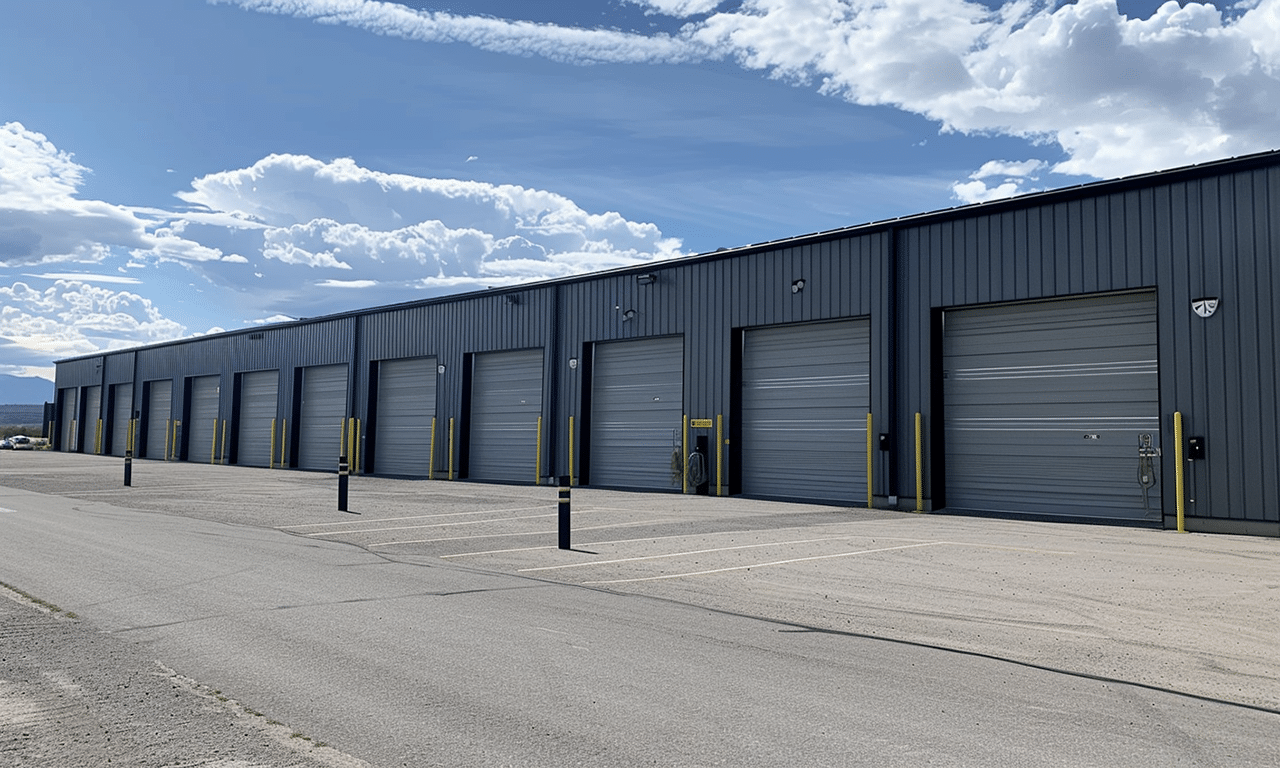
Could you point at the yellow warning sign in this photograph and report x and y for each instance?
(701, 423)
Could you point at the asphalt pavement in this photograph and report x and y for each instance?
(438, 623)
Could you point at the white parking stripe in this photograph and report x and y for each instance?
(703, 552)
(433, 525)
(411, 517)
(515, 535)
(765, 565)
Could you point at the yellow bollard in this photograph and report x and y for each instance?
(431, 461)
(1179, 481)
(719, 454)
(870, 465)
(919, 464)
(537, 457)
(570, 451)
(213, 444)
(684, 456)
(450, 447)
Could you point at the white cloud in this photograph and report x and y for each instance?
(409, 231)
(73, 317)
(1117, 95)
(521, 38)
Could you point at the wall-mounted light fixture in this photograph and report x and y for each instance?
(573, 363)
(630, 314)
(797, 285)
(1205, 306)
(440, 369)
(648, 278)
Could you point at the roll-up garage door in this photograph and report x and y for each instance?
(323, 409)
(121, 414)
(406, 408)
(92, 424)
(1047, 404)
(202, 430)
(637, 402)
(506, 401)
(68, 420)
(806, 392)
(159, 408)
(257, 417)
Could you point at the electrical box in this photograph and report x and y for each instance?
(1195, 448)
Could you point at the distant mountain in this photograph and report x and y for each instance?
(24, 390)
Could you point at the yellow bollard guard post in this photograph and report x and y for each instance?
(450, 447)
(919, 463)
(870, 465)
(719, 454)
(431, 461)
(1179, 481)
(537, 458)
(571, 451)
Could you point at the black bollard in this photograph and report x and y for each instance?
(128, 467)
(564, 512)
(342, 483)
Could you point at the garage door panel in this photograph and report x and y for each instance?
(159, 414)
(506, 402)
(406, 408)
(805, 396)
(92, 425)
(321, 415)
(637, 411)
(259, 395)
(121, 415)
(1053, 428)
(203, 430)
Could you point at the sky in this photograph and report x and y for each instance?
(171, 168)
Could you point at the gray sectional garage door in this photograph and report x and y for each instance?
(506, 401)
(257, 415)
(406, 408)
(92, 426)
(1046, 404)
(322, 413)
(202, 430)
(159, 408)
(68, 423)
(121, 414)
(637, 403)
(806, 392)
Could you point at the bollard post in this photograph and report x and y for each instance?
(564, 512)
(342, 483)
(128, 467)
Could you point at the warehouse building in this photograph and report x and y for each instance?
(1100, 353)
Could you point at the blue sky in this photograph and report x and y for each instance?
(176, 167)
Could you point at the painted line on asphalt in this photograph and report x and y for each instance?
(765, 565)
(433, 525)
(412, 517)
(515, 535)
(704, 552)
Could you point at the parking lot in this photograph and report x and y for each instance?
(1191, 613)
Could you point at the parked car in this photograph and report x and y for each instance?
(6, 444)
(22, 443)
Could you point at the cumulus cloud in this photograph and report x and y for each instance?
(354, 225)
(1116, 95)
(1010, 178)
(74, 317)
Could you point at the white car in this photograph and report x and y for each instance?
(6, 444)
(22, 443)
